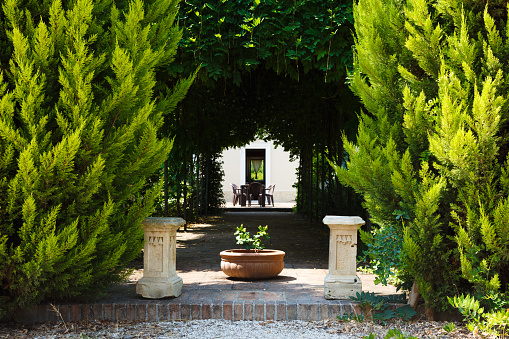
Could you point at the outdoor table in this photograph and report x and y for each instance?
(244, 189)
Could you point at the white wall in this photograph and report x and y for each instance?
(279, 170)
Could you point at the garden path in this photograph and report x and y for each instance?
(301, 282)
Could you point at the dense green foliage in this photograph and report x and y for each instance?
(384, 247)
(380, 309)
(492, 319)
(78, 136)
(433, 140)
(231, 37)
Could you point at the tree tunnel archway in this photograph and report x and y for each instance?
(272, 70)
(305, 117)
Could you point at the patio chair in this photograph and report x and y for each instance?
(255, 192)
(269, 193)
(237, 194)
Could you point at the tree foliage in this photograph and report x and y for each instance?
(433, 140)
(79, 129)
(229, 38)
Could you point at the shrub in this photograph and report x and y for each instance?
(434, 138)
(78, 136)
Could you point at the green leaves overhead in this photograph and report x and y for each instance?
(229, 37)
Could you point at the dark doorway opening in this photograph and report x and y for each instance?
(255, 166)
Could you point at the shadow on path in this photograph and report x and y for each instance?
(306, 244)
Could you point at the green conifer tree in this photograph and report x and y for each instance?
(79, 123)
(433, 141)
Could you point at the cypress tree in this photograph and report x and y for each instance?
(432, 144)
(79, 122)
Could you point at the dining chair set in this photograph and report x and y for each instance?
(253, 191)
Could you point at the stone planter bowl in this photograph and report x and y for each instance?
(248, 264)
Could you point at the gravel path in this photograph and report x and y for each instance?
(205, 329)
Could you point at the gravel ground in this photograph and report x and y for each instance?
(205, 329)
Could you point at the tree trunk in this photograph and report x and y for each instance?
(300, 187)
(317, 199)
(177, 176)
(310, 184)
(200, 170)
(166, 195)
(185, 191)
(429, 312)
(207, 187)
(413, 296)
(322, 179)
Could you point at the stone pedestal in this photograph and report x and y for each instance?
(159, 259)
(342, 281)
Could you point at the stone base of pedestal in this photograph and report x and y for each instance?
(342, 287)
(157, 288)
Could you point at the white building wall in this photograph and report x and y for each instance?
(231, 168)
(279, 170)
(284, 175)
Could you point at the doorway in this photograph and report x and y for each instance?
(255, 166)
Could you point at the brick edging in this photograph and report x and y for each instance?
(161, 311)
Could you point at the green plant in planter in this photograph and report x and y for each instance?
(244, 238)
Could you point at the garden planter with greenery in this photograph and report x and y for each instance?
(254, 261)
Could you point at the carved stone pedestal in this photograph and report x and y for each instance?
(159, 259)
(342, 281)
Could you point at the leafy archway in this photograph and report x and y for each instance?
(271, 68)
